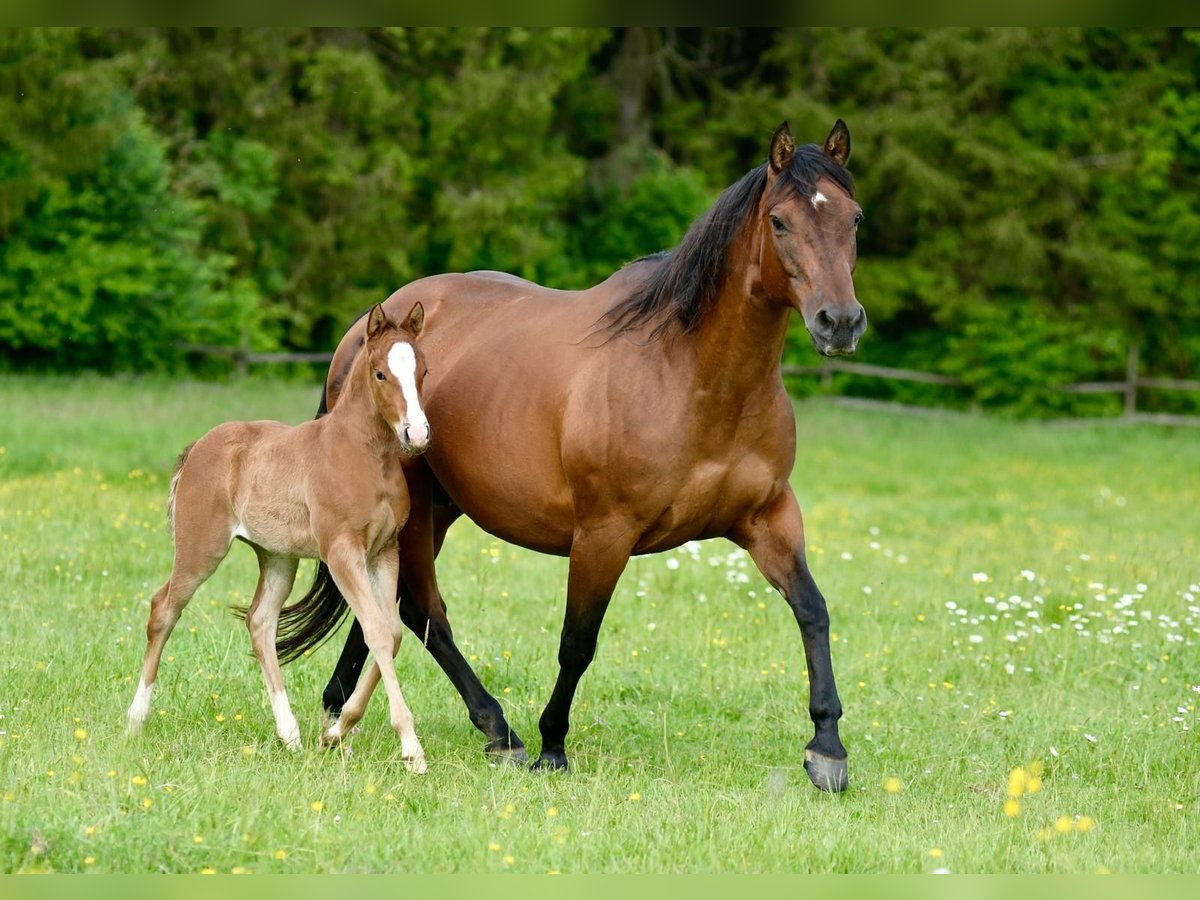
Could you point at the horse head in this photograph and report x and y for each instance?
(397, 371)
(808, 220)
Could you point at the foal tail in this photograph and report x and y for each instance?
(309, 621)
(174, 486)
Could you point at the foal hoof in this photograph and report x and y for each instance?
(415, 764)
(507, 753)
(825, 772)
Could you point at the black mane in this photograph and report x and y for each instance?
(687, 279)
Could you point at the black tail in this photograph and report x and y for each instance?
(309, 621)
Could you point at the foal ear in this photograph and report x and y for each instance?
(837, 145)
(416, 318)
(377, 320)
(783, 148)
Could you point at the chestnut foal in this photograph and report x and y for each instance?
(332, 489)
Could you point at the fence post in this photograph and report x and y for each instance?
(243, 353)
(1131, 379)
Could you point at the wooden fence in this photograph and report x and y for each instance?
(1129, 387)
(242, 358)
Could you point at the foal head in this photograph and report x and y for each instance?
(808, 221)
(396, 369)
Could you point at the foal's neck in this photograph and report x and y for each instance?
(355, 411)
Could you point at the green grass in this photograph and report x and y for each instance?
(688, 731)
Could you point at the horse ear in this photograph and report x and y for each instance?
(377, 320)
(783, 148)
(837, 145)
(416, 318)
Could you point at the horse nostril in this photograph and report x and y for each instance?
(860, 321)
(824, 322)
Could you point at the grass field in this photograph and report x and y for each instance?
(1016, 617)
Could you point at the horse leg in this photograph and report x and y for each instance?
(385, 582)
(598, 557)
(774, 537)
(276, 575)
(424, 613)
(196, 558)
(381, 631)
(355, 706)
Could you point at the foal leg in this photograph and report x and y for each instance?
(276, 575)
(196, 558)
(598, 557)
(383, 580)
(424, 613)
(347, 566)
(774, 537)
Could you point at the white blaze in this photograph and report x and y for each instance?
(403, 363)
(818, 198)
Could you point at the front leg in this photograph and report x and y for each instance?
(598, 557)
(774, 537)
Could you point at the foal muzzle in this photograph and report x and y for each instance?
(414, 438)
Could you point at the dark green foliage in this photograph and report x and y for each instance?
(1030, 193)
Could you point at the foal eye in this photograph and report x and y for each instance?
(379, 376)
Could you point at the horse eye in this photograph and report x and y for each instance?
(379, 376)
(858, 217)
(777, 224)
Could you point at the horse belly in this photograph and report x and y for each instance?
(285, 530)
(518, 506)
(709, 502)
(271, 502)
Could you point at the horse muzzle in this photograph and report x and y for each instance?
(835, 331)
(414, 438)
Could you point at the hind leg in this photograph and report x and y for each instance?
(195, 560)
(276, 575)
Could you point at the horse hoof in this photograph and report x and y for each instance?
(506, 753)
(825, 772)
(330, 738)
(415, 764)
(550, 762)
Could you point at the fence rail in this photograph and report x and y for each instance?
(1132, 383)
(242, 357)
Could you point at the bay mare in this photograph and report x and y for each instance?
(628, 418)
(332, 489)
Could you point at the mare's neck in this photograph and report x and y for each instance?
(739, 345)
